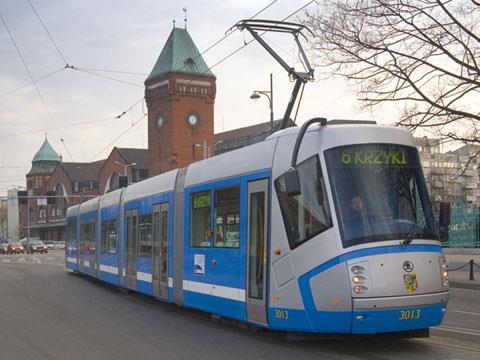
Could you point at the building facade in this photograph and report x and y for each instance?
(452, 175)
(180, 95)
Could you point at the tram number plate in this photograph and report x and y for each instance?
(281, 314)
(410, 314)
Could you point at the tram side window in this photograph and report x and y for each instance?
(200, 219)
(227, 217)
(71, 233)
(145, 235)
(307, 214)
(83, 235)
(93, 237)
(87, 238)
(109, 236)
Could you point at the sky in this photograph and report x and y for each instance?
(115, 44)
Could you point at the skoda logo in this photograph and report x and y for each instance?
(408, 266)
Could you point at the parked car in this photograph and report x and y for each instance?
(14, 247)
(34, 246)
(3, 247)
(59, 245)
(50, 244)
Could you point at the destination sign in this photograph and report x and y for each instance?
(201, 201)
(373, 157)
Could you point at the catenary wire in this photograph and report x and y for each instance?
(31, 82)
(119, 136)
(35, 84)
(48, 33)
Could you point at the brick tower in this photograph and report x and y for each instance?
(180, 94)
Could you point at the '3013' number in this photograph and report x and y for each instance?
(412, 314)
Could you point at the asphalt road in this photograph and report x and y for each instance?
(49, 313)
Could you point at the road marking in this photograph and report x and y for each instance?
(37, 260)
(21, 259)
(6, 260)
(459, 330)
(50, 258)
(467, 312)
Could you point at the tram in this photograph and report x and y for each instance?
(325, 228)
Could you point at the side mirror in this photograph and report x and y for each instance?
(292, 183)
(444, 220)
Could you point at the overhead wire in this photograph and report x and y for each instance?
(261, 34)
(119, 136)
(34, 83)
(31, 82)
(111, 71)
(48, 33)
(103, 76)
(118, 116)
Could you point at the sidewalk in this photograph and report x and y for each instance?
(460, 278)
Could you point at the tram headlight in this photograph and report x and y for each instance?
(444, 272)
(359, 279)
(359, 289)
(357, 269)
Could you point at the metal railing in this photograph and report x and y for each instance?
(471, 264)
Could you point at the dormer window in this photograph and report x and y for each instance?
(189, 62)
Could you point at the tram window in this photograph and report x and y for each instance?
(82, 237)
(307, 214)
(200, 219)
(227, 217)
(109, 236)
(145, 235)
(93, 238)
(71, 232)
(87, 238)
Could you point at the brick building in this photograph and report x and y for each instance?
(180, 94)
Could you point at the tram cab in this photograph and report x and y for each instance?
(354, 247)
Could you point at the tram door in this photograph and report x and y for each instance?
(257, 235)
(131, 249)
(160, 251)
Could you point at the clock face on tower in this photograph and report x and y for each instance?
(193, 119)
(160, 119)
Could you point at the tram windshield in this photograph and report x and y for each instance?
(379, 193)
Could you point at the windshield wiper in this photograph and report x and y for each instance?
(414, 231)
(410, 235)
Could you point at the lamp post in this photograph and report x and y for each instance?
(125, 167)
(206, 149)
(269, 94)
(28, 209)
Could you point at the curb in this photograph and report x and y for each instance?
(461, 251)
(471, 285)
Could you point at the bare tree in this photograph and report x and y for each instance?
(423, 54)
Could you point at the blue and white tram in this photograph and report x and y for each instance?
(246, 235)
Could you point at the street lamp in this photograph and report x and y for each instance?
(269, 94)
(125, 166)
(28, 208)
(206, 149)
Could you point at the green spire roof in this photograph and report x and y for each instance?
(46, 153)
(180, 55)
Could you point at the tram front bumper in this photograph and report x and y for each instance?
(398, 313)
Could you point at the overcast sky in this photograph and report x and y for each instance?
(128, 36)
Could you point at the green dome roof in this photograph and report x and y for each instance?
(46, 153)
(180, 54)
